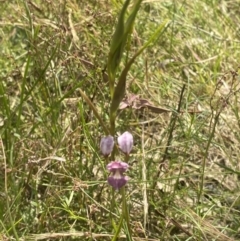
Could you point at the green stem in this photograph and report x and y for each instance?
(125, 213)
(112, 132)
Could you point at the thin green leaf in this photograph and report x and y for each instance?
(130, 21)
(129, 26)
(121, 85)
(116, 47)
(228, 168)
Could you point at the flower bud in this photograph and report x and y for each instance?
(125, 142)
(106, 145)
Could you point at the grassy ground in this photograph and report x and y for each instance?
(184, 170)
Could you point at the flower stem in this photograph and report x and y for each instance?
(125, 213)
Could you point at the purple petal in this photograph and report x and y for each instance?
(106, 145)
(117, 182)
(117, 166)
(125, 142)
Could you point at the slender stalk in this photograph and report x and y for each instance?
(125, 210)
(125, 213)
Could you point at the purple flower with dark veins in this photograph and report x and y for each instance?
(106, 145)
(125, 142)
(117, 179)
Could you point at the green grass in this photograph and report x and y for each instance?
(184, 168)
